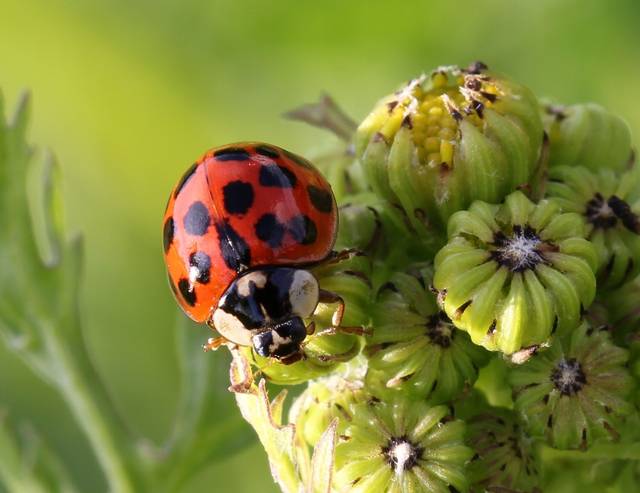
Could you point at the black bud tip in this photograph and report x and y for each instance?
(477, 67)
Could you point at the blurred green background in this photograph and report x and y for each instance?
(129, 93)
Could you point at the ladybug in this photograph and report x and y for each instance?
(241, 228)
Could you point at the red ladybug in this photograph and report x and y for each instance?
(241, 227)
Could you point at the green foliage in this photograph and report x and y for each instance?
(40, 321)
(129, 92)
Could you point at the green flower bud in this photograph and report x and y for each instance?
(448, 138)
(414, 347)
(587, 135)
(341, 168)
(623, 312)
(634, 368)
(576, 391)
(401, 446)
(326, 348)
(359, 227)
(512, 274)
(503, 453)
(580, 475)
(328, 398)
(609, 204)
(385, 233)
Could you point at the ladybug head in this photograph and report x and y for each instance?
(265, 308)
(282, 341)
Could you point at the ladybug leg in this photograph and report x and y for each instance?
(336, 319)
(214, 343)
(346, 254)
(311, 328)
(293, 358)
(329, 331)
(330, 297)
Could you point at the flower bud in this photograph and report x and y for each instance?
(328, 398)
(623, 312)
(385, 233)
(448, 138)
(513, 274)
(504, 455)
(587, 135)
(609, 204)
(401, 445)
(576, 391)
(415, 348)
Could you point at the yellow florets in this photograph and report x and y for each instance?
(433, 106)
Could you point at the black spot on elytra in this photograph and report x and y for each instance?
(187, 291)
(272, 175)
(270, 230)
(303, 229)
(267, 151)
(185, 178)
(202, 262)
(238, 197)
(233, 247)
(320, 198)
(167, 234)
(197, 220)
(232, 154)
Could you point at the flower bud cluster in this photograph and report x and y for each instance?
(479, 241)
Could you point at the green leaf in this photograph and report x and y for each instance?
(207, 426)
(39, 318)
(27, 464)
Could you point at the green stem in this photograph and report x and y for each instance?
(325, 114)
(80, 386)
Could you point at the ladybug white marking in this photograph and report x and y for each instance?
(243, 284)
(304, 293)
(278, 341)
(231, 328)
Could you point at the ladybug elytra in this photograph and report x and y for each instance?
(242, 226)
